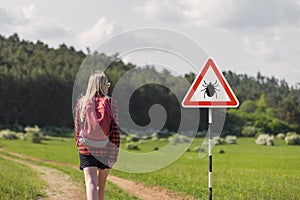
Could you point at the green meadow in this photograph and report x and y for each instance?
(19, 182)
(244, 171)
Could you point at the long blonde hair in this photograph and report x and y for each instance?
(95, 87)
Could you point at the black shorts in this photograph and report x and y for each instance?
(93, 161)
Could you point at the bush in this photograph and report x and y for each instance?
(123, 137)
(34, 129)
(33, 137)
(132, 146)
(221, 151)
(33, 134)
(280, 136)
(176, 139)
(248, 106)
(57, 131)
(291, 133)
(21, 136)
(142, 141)
(218, 140)
(230, 139)
(199, 149)
(249, 131)
(265, 139)
(292, 139)
(155, 138)
(134, 138)
(8, 134)
(165, 133)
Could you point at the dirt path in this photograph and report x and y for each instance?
(60, 186)
(137, 189)
(147, 192)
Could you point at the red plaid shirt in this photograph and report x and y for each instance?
(112, 147)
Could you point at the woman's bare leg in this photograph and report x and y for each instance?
(91, 182)
(102, 176)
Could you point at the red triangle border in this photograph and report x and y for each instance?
(207, 104)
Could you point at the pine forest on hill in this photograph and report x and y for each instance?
(36, 84)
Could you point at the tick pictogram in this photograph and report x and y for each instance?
(210, 89)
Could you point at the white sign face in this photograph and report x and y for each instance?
(210, 90)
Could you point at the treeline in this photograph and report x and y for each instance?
(268, 105)
(36, 84)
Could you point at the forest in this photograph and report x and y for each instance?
(36, 84)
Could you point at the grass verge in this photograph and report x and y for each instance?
(19, 182)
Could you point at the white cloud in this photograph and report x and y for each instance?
(159, 10)
(205, 12)
(4, 18)
(29, 24)
(29, 11)
(227, 14)
(92, 36)
(256, 47)
(263, 14)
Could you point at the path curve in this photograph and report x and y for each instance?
(60, 186)
(139, 190)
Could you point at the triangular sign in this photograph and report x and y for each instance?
(210, 90)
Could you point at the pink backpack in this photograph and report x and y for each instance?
(95, 132)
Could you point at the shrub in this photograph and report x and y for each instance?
(123, 137)
(176, 139)
(221, 151)
(156, 148)
(165, 133)
(21, 136)
(155, 138)
(293, 139)
(8, 134)
(34, 129)
(230, 139)
(280, 136)
(199, 149)
(265, 139)
(218, 140)
(142, 141)
(131, 138)
(57, 131)
(248, 106)
(291, 133)
(33, 134)
(132, 146)
(134, 138)
(249, 131)
(33, 137)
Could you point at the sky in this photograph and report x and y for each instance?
(244, 36)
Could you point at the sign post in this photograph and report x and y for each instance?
(210, 90)
(210, 153)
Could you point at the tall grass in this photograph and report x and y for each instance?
(56, 149)
(19, 182)
(245, 171)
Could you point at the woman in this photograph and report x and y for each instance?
(96, 161)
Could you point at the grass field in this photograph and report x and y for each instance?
(23, 183)
(245, 171)
(19, 182)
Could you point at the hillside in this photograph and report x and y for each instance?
(36, 85)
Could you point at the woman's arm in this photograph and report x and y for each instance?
(77, 124)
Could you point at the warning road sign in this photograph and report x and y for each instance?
(210, 90)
